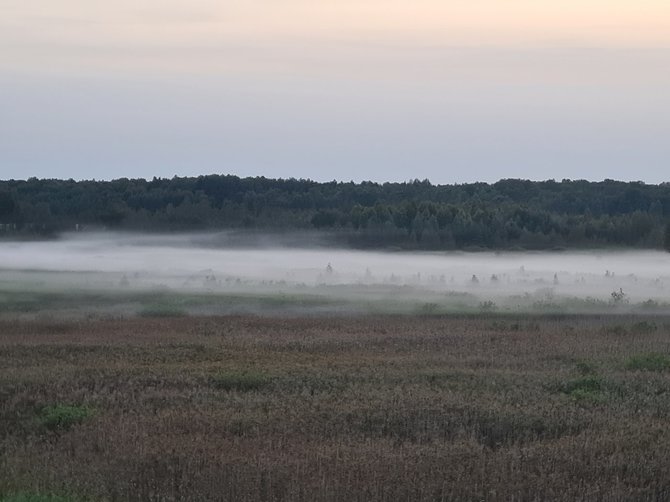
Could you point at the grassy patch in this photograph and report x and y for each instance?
(249, 408)
(490, 429)
(63, 417)
(589, 387)
(649, 362)
(162, 310)
(643, 328)
(239, 381)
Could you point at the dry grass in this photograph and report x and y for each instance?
(394, 408)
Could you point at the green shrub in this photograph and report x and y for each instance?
(649, 362)
(429, 309)
(585, 388)
(63, 417)
(239, 381)
(650, 305)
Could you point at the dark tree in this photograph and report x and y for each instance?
(7, 206)
(509, 214)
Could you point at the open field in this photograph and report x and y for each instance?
(486, 407)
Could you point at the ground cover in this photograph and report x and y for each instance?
(328, 408)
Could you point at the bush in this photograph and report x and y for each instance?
(429, 308)
(619, 297)
(650, 305)
(242, 382)
(63, 417)
(588, 387)
(488, 306)
(649, 362)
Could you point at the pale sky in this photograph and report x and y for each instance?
(387, 90)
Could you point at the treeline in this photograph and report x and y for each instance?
(416, 215)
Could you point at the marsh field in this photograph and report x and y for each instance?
(158, 370)
(370, 408)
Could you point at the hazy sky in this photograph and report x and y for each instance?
(450, 90)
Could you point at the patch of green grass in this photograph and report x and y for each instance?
(63, 417)
(162, 310)
(588, 388)
(649, 362)
(239, 381)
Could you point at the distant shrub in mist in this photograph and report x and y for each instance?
(162, 310)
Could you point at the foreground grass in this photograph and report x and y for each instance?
(374, 408)
(31, 497)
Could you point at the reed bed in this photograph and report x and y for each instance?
(413, 408)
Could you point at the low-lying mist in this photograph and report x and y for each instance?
(227, 276)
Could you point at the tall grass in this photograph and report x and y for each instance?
(418, 408)
(242, 381)
(649, 362)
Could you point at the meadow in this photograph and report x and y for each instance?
(486, 406)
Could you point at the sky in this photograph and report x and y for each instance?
(386, 90)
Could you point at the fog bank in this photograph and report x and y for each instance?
(210, 265)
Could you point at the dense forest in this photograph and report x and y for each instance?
(509, 214)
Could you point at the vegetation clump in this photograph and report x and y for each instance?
(250, 408)
(161, 310)
(239, 381)
(643, 327)
(585, 388)
(619, 297)
(63, 417)
(649, 362)
(487, 306)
